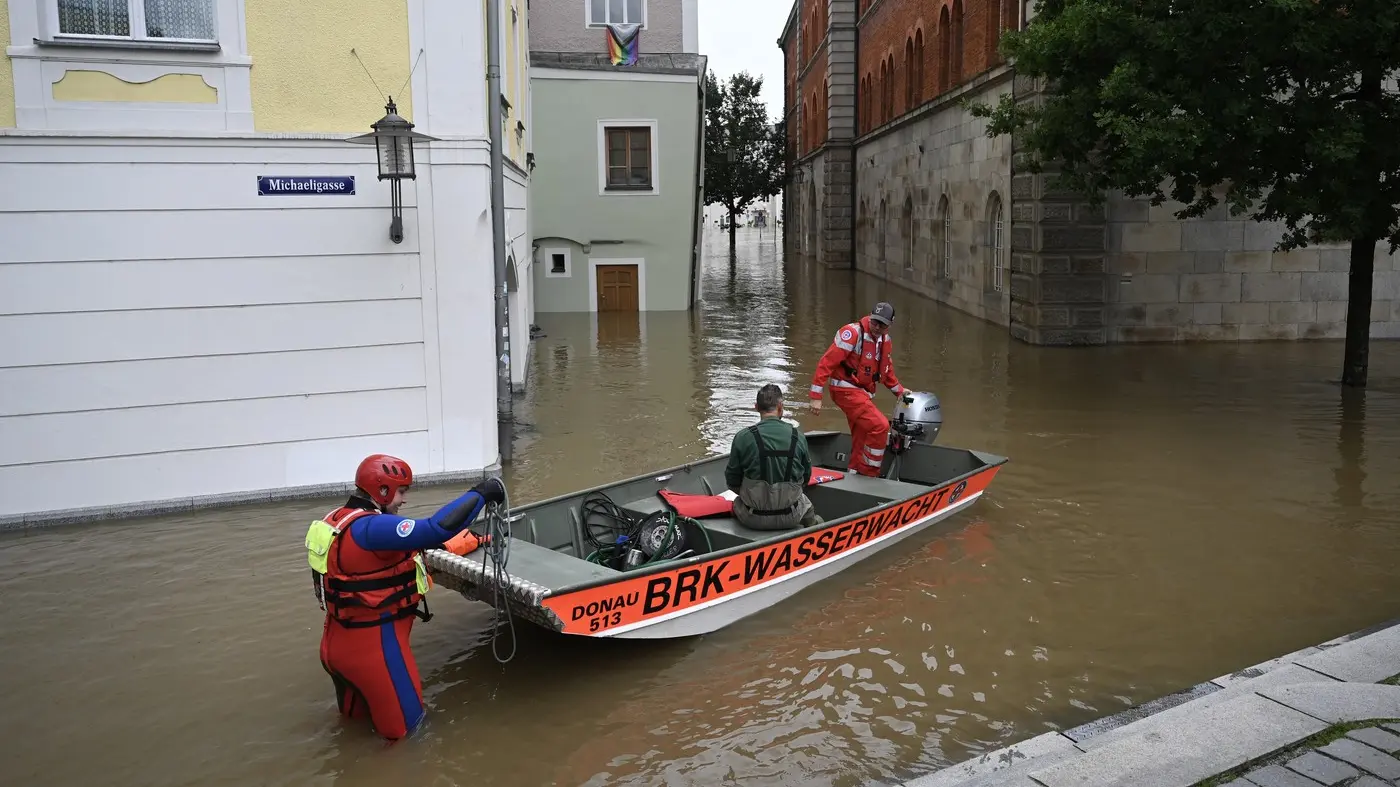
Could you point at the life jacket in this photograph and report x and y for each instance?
(863, 375)
(367, 598)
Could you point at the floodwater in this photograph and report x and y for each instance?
(1169, 514)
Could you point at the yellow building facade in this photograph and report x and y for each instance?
(221, 310)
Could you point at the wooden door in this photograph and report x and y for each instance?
(617, 288)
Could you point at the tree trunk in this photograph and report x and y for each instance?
(1375, 224)
(731, 232)
(1356, 353)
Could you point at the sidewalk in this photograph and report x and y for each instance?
(1325, 715)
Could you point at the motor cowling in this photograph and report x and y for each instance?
(918, 417)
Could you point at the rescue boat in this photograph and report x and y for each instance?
(661, 555)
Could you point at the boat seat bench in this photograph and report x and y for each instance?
(884, 488)
(859, 492)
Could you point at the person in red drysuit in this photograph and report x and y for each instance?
(858, 361)
(369, 577)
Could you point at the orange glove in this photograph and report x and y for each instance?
(465, 543)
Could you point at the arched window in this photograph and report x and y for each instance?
(996, 243)
(870, 101)
(917, 71)
(884, 80)
(882, 230)
(807, 126)
(889, 90)
(860, 107)
(994, 23)
(908, 74)
(945, 51)
(945, 233)
(957, 35)
(906, 230)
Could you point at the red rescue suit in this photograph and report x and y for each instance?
(371, 600)
(857, 363)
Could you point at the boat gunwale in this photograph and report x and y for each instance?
(988, 460)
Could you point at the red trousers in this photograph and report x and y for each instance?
(870, 429)
(375, 675)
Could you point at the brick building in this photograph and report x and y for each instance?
(891, 176)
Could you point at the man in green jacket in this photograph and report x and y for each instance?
(768, 469)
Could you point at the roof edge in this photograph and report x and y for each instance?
(787, 26)
(650, 63)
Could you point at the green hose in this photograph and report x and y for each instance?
(665, 542)
(606, 553)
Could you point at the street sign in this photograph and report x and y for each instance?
(305, 185)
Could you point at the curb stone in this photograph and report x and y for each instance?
(1234, 724)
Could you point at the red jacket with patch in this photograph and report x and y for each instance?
(856, 359)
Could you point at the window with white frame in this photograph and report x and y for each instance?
(617, 12)
(996, 243)
(908, 230)
(163, 20)
(947, 255)
(557, 263)
(627, 157)
(884, 230)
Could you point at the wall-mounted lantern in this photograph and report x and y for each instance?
(393, 139)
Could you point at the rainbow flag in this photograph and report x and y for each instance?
(622, 44)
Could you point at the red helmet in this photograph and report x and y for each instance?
(381, 476)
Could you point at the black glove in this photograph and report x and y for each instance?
(491, 490)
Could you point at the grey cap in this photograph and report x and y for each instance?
(882, 312)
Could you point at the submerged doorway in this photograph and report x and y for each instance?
(618, 288)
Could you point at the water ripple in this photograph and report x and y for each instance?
(1170, 514)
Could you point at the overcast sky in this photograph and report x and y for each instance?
(742, 35)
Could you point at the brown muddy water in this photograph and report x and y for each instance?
(1169, 514)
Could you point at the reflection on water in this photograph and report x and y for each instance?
(1169, 514)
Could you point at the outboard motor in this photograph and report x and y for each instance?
(918, 417)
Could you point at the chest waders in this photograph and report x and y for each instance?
(762, 505)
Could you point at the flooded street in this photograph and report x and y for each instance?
(1169, 514)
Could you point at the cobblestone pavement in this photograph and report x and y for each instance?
(1326, 715)
(1361, 756)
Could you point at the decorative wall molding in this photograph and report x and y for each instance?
(41, 58)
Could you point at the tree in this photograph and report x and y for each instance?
(743, 151)
(1280, 106)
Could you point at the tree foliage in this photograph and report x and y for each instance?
(736, 120)
(1285, 110)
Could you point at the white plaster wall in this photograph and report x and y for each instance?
(185, 337)
(453, 109)
(36, 68)
(521, 301)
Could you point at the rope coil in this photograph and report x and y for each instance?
(497, 553)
